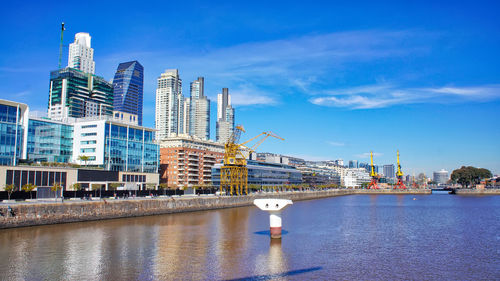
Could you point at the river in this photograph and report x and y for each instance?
(355, 237)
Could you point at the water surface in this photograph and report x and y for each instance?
(384, 237)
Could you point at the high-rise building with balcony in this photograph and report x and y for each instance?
(73, 93)
(169, 105)
(128, 85)
(81, 55)
(199, 111)
(225, 116)
(188, 160)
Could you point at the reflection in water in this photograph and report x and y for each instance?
(331, 238)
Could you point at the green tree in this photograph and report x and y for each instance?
(163, 186)
(95, 187)
(56, 187)
(84, 158)
(29, 187)
(469, 175)
(10, 188)
(76, 186)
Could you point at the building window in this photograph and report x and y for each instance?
(89, 134)
(89, 126)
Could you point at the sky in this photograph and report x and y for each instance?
(336, 80)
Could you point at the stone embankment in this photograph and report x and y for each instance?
(32, 214)
(492, 191)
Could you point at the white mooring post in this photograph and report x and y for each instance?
(274, 207)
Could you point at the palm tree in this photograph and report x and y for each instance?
(84, 158)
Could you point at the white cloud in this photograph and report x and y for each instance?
(385, 95)
(291, 64)
(333, 143)
(367, 155)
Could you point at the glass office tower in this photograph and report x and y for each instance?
(49, 141)
(128, 85)
(13, 124)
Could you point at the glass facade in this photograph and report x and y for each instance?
(49, 141)
(128, 88)
(263, 174)
(130, 149)
(82, 94)
(11, 134)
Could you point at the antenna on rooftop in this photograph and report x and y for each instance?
(61, 44)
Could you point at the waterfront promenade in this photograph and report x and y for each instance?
(50, 212)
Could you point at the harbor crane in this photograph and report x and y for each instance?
(234, 172)
(399, 176)
(373, 174)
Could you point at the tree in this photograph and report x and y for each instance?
(28, 188)
(55, 188)
(76, 186)
(84, 158)
(163, 186)
(95, 187)
(10, 188)
(469, 175)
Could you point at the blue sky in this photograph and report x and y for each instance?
(336, 80)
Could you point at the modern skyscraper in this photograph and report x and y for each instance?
(128, 89)
(73, 93)
(225, 116)
(199, 111)
(169, 104)
(81, 55)
(389, 171)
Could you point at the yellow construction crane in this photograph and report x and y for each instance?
(234, 172)
(373, 174)
(399, 176)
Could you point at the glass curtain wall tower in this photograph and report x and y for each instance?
(128, 85)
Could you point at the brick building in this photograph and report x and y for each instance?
(188, 161)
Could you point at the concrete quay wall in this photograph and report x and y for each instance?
(492, 191)
(32, 214)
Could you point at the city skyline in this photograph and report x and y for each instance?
(423, 81)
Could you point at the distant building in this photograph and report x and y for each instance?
(355, 177)
(73, 93)
(265, 174)
(13, 131)
(199, 111)
(225, 116)
(441, 177)
(389, 171)
(81, 55)
(353, 163)
(169, 106)
(128, 87)
(188, 160)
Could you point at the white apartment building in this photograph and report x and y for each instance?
(81, 55)
(169, 104)
(355, 177)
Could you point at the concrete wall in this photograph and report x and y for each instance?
(31, 214)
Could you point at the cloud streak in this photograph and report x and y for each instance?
(290, 65)
(385, 95)
(367, 155)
